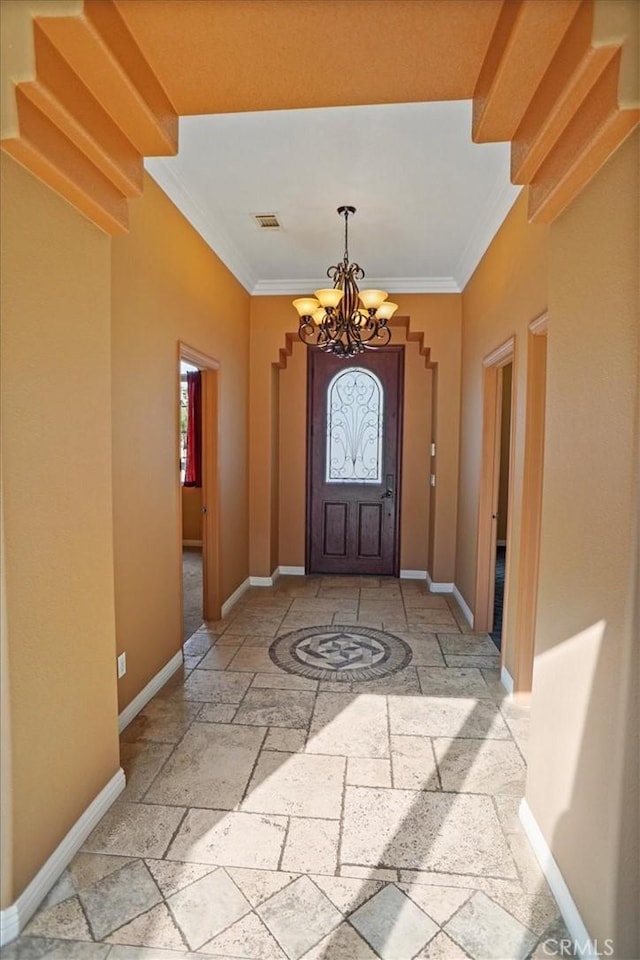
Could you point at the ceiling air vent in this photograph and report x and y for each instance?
(267, 221)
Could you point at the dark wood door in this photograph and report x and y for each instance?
(354, 417)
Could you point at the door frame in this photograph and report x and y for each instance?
(490, 482)
(211, 572)
(529, 559)
(393, 348)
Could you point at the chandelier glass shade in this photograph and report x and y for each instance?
(342, 319)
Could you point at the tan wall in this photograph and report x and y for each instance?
(58, 514)
(191, 513)
(505, 447)
(506, 292)
(583, 767)
(437, 319)
(414, 534)
(167, 286)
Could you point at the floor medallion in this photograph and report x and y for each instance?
(340, 653)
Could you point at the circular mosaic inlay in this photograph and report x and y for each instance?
(340, 653)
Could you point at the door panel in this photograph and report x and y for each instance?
(353, 462)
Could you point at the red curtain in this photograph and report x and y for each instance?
(193, 470)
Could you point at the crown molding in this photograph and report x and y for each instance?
(272, 288)
(200, 220)
(503, 196)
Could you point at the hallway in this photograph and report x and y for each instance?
(269, 815)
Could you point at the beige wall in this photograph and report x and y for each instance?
(167, 287)
(414, 534)
(191, 513)
(582, 785)
(507, 291)
(56, 478)
(434, 325)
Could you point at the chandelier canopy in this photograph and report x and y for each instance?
(332, 319)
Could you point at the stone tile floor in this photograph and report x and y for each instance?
(268, 816)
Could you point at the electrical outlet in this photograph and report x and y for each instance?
(122, 665)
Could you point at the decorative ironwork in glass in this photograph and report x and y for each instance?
(354, 427)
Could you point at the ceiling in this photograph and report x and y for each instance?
(428, 200)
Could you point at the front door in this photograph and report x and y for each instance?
(353, 465)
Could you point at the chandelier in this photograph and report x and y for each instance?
(332, 319)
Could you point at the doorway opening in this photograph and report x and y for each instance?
(191, 497)
(503, 503)
(198, 489)
(495, 494)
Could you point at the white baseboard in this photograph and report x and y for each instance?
(14, 919)
(462, 603)
(557, 883)
(436, 586)
(291, 571)
(235, 596)
(414, 575)
(265, 581)
(192, 543)
(501, 543)
(139, 703)
(506, 680)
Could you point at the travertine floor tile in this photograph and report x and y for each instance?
(37, 948)
(439, 903)
(259, 885)
(482, 663)
(229, 839)
(480, 766)
(364, 772)
(487, 932)
(276, 708)
(156, 928)
(347, 893)
(118, 898)
(446, 717)
(217, 712)
(171, 877)
(141, 763)
(425, 649)
(508, 813)
(349, 725)
(219, 657)
(135, 830)
(478, 645)
(163, 720)
(343, 943)
(87, 868)
(286, 739)
(413, 764)
(311, 846)
(207, 907)
(442, 947)
(210, 767)
(444, 832)
(248, 938)
(297, 785)
(403, 683)
(283, 911)
(216, 686)
(452, 682)
(254, 660)
(283, 681)
(393, 925)
(64, 921)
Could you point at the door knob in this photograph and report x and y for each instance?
(387, 495)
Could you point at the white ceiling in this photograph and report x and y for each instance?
(428, 200)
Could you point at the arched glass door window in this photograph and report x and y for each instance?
(354, 427)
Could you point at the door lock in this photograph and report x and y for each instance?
(388, 494)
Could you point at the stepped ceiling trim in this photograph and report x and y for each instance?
(540, 72)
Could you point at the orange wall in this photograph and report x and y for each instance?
(583, 767)
(507, 291)
(56, 479)
(414, 533)
(437, 318)
(168, 286)
(191, 513)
